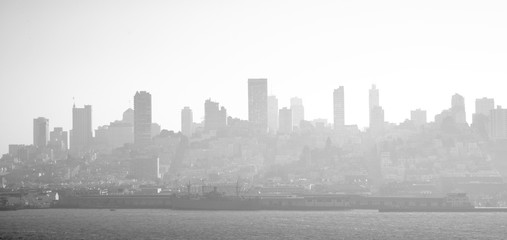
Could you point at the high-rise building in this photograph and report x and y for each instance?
(339, 107)
(81, 135)
(258, 103)
(418, 117)
(58, 139)
(481, 117)
(285, 118)
(272, 114)
(40, 132)
(484, 106)
(215, 117)
(187, 120)
(298, 111)
(128, 116)
(458, 109)
(374, 102)
(377, 119)
(142, 119)
(498, 121)
(374, 97)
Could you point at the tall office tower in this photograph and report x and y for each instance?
(58, 139)
(128, 116)
(376, 119)
(339, 107)
(258, 103)
(82, 133)
(418, 117)
(40, 132)
(481, 117)
(498, 123)
(285, 118)
(374, 102)
(142, 119)
(187, 120)
(272, 114)
(374, 97)
(298, 111)
(215, 118)
(458, 109)
(484, 106)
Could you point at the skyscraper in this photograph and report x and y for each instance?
(215, 117)
(418, 117)
(373, 104)
(272, 114)
(481, 117)
(298, 111)
(377, 119)
(40, 132)
(58, 139)
(258, 103)
(458, 109)
(339, 107)
(142, 119)
(484, 106)
(82, 133)
(187, 120)
(285, 117)
(498, 123)
(374, 97)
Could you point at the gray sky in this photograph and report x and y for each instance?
(418, 53)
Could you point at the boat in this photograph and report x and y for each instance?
(454, 202)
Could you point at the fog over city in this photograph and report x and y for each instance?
(183, 52)
(253, 119)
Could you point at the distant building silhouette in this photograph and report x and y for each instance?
(40, 132)
(339, 107)
(285, 117)
(59, 139)
(81, 135)
(458, 109)
(258, 103)
(215, 117)
(418, 117)
(374, 101)
(481, 117)
(272, 114)
(128, 116)
(377, 119)
(374, 98)
(484, 106)
(498, 123)
(142, 119)
(187, 120)
(120, 133)
(298, 111)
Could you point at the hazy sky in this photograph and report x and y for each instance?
(419, 53)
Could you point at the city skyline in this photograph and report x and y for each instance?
(84, 118)
(334, 44)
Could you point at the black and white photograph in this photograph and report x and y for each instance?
(253, 119)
